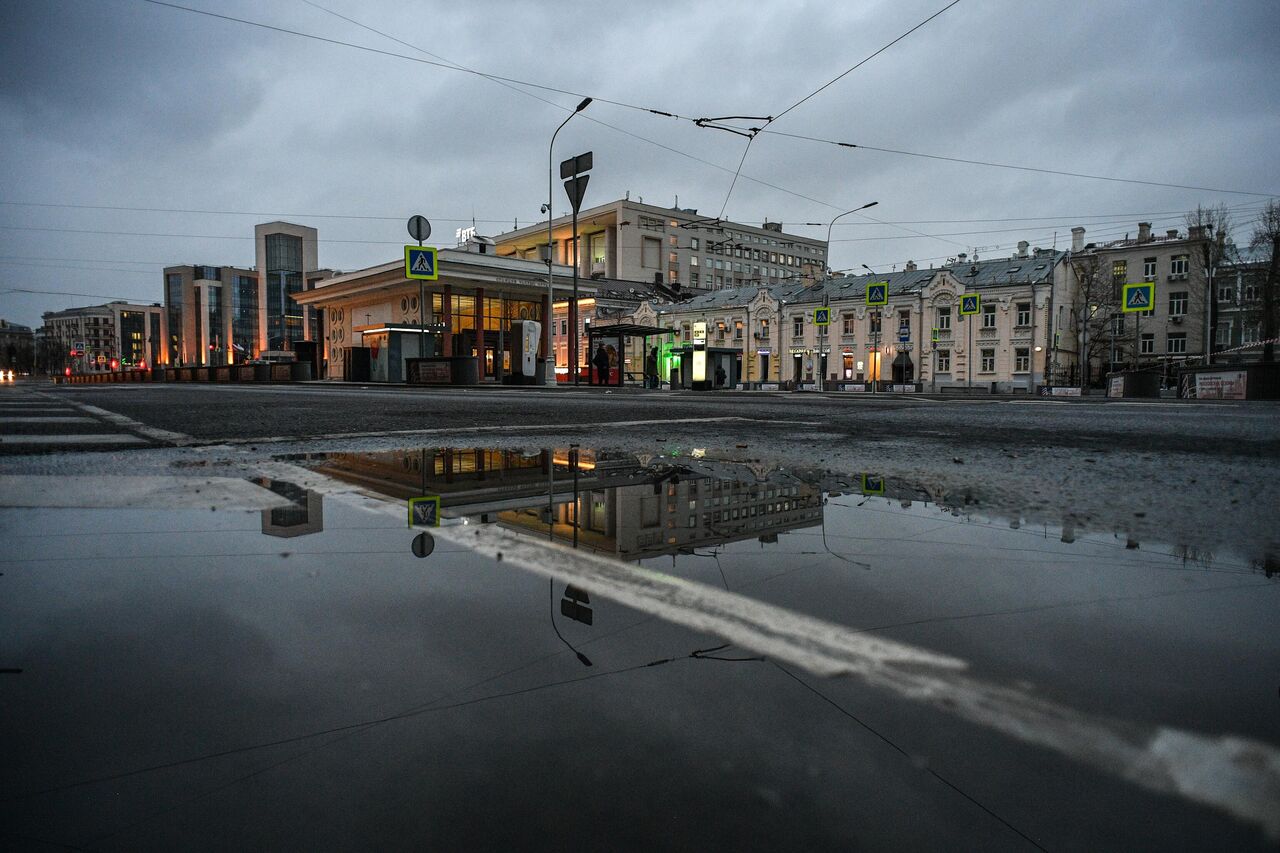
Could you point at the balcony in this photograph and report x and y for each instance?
(988, 332)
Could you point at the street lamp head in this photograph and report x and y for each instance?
(586, 102)
(869, 204)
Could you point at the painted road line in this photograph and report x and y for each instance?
(38, 440)
(167, 436)
(516, 429)
(50, 419)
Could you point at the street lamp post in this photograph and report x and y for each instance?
(551, 297)
(826, 298)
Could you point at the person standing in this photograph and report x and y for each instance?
(601, 362)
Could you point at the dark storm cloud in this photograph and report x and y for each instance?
(127, 103)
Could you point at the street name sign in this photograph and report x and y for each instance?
(878, 293)
(970, 303)
(1139, 296)
(420, 263)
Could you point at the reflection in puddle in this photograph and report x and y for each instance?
(303, 516)
(636, 506)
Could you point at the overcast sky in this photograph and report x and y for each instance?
(128, 104)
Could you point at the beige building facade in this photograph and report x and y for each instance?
(114, 335)
(632, 241)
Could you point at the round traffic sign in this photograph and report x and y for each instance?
(423, 544)
(419, 228)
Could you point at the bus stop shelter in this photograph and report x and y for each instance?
(620, 332)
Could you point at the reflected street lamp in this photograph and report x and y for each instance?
(551, 298)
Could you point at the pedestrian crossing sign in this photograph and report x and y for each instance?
(872, 484)
(1139, 296)
(878, 293)
(822, 316)
(970, 303)
(420, 262)
(424, 511)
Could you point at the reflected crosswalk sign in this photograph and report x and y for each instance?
(420, 262)
(872, 484)
(1139, 296)
(424, 511)
(970, 303)
(878, 293)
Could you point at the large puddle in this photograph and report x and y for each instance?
(300, 677)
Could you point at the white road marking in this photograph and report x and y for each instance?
(135, 426)
(147, 492)
(36, 440)
(48, 419)
(511, 428)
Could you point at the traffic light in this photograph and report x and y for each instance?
(67, 371)
(115, 364)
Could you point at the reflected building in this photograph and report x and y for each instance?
(303, 516)
(612, 505)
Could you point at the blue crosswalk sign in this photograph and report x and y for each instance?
(1139, 296)
(420, 262)
(878, 293)
(970, 304)
(822, 316)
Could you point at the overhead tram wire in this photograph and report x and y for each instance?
(1036, 169)
(393, 54)
(754, 132)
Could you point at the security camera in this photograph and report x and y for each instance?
(543, 209)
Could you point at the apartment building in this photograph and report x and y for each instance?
(117, 334)
(632, 241)
(1237, 284)
(1174, 331)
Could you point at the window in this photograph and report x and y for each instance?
(943, 357)
(988, 361)
(1119, 271)
(1226, 293)
(1179, 264)
(904, 325)
(1148, 269)
(651, 251)
(988, 316)
(672, 242)
(944, 319)
(1147, 346)
(1117, 324)
(1024, 313)
(1222, 335)
(693, 244)
(875, 322)
(693, 279)
(1178, 303)
(673, 258)
(1250, 293)
(797, 327)
(1251, 334)
(1022, 360)
(1176, 343)
(850, 323)
(737, 330)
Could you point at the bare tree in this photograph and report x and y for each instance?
(1097, 306)
(1214, 225)
(1266, 242)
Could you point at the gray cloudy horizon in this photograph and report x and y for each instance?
(124, 104)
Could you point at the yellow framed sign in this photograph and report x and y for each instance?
(878, 293)
(970, 303)
(421, 262)
(424, 511)
(1139, 296)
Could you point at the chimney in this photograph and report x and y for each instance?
(962, 257)
(1196, 232)
(1144, 232)
(1022, 248)
(911, 266)
(1077, 239)
(1172, 233)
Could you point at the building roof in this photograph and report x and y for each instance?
(1032, 269)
